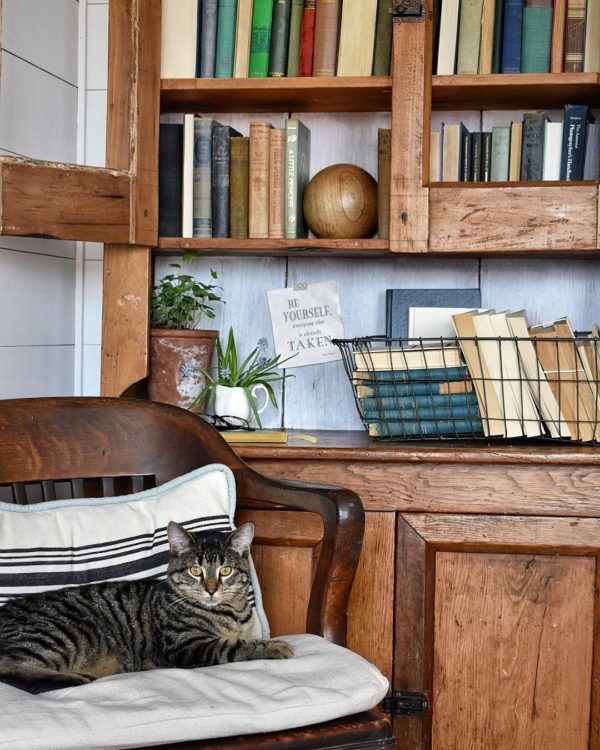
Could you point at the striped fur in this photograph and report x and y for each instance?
(199, 616)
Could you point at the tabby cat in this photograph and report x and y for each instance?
(197, 617)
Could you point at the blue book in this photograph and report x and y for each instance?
(575, 124)
(447, 428)
(199, 41)
(511, 36)
(416, 404)
(398, 301)
(208, 38)
(202, 201)
(437, 375)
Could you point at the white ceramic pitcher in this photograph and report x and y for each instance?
(233, 402)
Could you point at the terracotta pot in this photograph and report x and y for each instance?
(176, 360)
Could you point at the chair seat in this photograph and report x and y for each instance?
(321, 682)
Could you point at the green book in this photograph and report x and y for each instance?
(260, 42)
(500, 153)
(536, 39)
(238, 187)
(293, 60)
(469, 37)
(297, 161)
(226, 22)
(383, 39)
(498, 24)
(280, 34)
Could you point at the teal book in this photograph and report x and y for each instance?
(426, 428)
(280, 34)
(202, 201)
(260, 41)
(293, 58)
(435, 375)
(536, 40)
(226, 22)
(416, 404)
(380, 389)
(500, 153)
(422, 413)
(297, 165)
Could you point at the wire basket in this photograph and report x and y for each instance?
(476, 387)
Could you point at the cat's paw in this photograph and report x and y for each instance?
(278, 650)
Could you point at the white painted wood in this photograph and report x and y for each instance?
(93, 250)
(97, 46)
(92, 294)
(95, 129)
(32, 371)
(43, 123)
(40, 246)
(90, 385)
(44, 33)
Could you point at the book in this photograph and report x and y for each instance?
(276, 182)
(258, 190)
(452, 152)
(297, 166)
(432, 322)
(280, 37)
(536, 38)
(557, 47)
(208, 38)
(538, 383)
(221, 138)
(178, 38)
(466, 168)
(429, 385)
(225, 45)
(202, 223)
(419, 413)
(418, 404)
(260, 40)
(552, 150)
(492, 415)
(420, 357)
(382, 53)
(532, 148)
(511, 36)
(476, 161)
(435, 156)
(293, 56)
(254, 436)
(307, 38)
(238, 188)
(436, 18)
(516, 140)
(170, 163)
(469, 36)
(446, 61)
(486, 156)
(500, 153)
(486, 45)
(187, 189)
(384, 160)
(243, 35)
(393, 429)
(574, 36)
(498, 28)
(326, 37)
(399, 301)
(591, 165)
(573, 144)
(591, 56)
(357, 38)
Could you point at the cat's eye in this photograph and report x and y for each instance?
(196, 571)
(225, 571)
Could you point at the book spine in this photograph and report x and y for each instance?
(591, 167)
(486, 46)
(276, 182)
(178, 38)
(430, 377)
(307, 38)
(327, 21)
(552, 151)
(238, 189)
(384, 161)
(511, 36)
(220, 180)
(574, 36)
(466, 157)
(469, 37)
(242, 38)
(476, 162)
(573, 145)
(226, 24)
(170, 176)
(591, 58)
(291, 178)
(516, 142)
(436, 24)
(532, 150)
(187, 190)
(258, 212)
(293, 58)
(357, 38)
(409, 391)
(498, 27)
(418, 402)
(382, 54)
(260, 44)
(500, 153)
(486, 157)
(422, 413)
(557, 48)
(537, 36)
(208, 41)
(202, 177)
(418, 429)
(280, 34)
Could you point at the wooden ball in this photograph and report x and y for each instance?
(340, 202)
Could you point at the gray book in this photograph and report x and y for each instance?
(398, 301)
(532, 151)
(500, 153)
(591, 166)
(208, 38)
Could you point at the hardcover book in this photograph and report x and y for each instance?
(384, 159)
(574, 36)
(357, 38)
(307, 37)
(418, 411)
(327, 22)
(557, 48)
(397, 429)
(407, 358)
(466, 171)
(532, 149)
(258, 209)
(260, 42)
(435, 156)
(537, 36)
(221, 139)
(591, 57)
(399, 301)
(203, 176)
(511, 36)
(500, 153)
(208, 38)
(477, 161)
(393, 382)
(383, 38)
(297, 166)
(187, 190)
(576, 119)
(469, 37)
(238, 189)
(225, 50)
(170, 153)
(243, 34)
(276, 182)
(486, 46)
(453, 152)
(418, 403)
(498, 28)
(552, 150)
(591, 164)
(486, 156)
(293, 57)
(516, 141)
(446, 61)
(280, 36)
(178, 38)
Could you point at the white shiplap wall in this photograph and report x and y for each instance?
(319, 397)
(38, 119)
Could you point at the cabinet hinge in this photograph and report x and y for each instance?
(409, 11)
(402, 703)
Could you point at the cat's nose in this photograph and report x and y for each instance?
(211, 586)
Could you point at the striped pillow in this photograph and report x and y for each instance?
(73, 542)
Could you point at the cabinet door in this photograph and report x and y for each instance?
(495, 624)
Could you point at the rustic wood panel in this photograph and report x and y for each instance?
(283, 529)
(513, 218)
(595, 687)
(513, 652)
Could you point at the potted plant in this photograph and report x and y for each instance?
(180, 353)
(233, 390)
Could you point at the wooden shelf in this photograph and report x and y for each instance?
(363, 94)
(522, 91)
(272, 247)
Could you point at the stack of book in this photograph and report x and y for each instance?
(516, 36)
(532, 150)
(214, 182)
(275, 38)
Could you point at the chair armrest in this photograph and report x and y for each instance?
(343, 528)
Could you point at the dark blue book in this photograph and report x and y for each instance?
(199, 40)
(511, 36)
(398, 302)
(170, 179)
(208, 38)
(575, 125)
(405, 428)
(220, 182)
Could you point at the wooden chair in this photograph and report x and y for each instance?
(108, 446)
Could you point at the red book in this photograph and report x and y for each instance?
(307, 38)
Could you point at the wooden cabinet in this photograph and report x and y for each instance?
(477, 586)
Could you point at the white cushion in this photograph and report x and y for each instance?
(72, 542)
(321, 681)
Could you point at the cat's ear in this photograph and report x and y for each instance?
(240, 539)
(180, 540)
